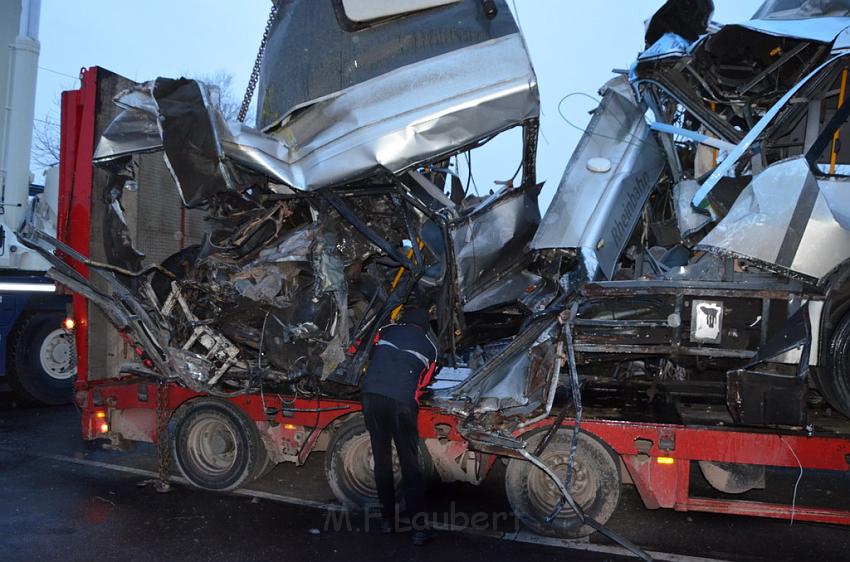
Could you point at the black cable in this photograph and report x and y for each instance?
(469, 176)
(518, 168)
(639, 143)
(575, 390)
(567, 497)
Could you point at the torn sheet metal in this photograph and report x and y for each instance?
(519, 382)
(412, 114)
(668, 45)
(415, 113)
(335, 53)
(823, 29)
(507, 288)
(132, 132)
(190, 139)
(490, 240)
(596, 211)
(786, 219)
(689, 220)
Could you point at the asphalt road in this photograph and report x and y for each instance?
(62, 499)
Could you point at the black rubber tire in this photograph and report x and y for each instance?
(596, 485)
(354, 486)
(264, 464)
(202, 417)
(834, 378)
(24, 371)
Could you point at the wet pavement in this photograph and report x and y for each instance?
(65, 499)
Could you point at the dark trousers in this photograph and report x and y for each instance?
(389, 421)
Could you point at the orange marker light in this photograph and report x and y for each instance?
(289, 426)
(665, 460)
(100, 414)
(69, 323)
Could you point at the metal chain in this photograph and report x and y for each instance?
(163, 456)
(255, 73)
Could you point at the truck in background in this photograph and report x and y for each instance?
(37, 352)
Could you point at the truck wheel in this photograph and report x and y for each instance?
(265, 464)
(42, 360)
(834, 378)
(216, 446)
(350, 467)
(595, 485)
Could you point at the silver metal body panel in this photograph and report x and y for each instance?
(596, 212)
(687, 218)
(395, 121)
(412, 114)
(788, 219)
(823, 29)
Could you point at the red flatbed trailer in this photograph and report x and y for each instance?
(656, 456)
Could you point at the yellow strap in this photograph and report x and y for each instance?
(833, 157)
(397, 310)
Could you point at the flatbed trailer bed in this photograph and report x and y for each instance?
(657, 456)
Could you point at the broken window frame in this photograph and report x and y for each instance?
(825, 143)
(349, 24)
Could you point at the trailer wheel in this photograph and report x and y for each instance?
(834, 380)
(349, 466)
(264, 465)
(216, 446)
(595, 487)
(42, 361)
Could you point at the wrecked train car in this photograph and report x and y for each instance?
(311, 229)
(709, 242)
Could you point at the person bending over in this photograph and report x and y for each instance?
(401, 365)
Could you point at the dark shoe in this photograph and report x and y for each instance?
(421, 537)
(387, 527)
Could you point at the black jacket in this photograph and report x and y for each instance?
(401, 361)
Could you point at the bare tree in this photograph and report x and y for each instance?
(45, 142)
(230, 100)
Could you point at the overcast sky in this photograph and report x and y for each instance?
(574, 45)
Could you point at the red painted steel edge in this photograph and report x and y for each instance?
(79, 111)
(818, 452)
(769, 510)
(124, 394)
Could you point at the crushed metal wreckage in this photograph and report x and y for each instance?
(332, 213)
(703, 215)
(696, 245)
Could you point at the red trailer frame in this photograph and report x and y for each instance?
(657, 456)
